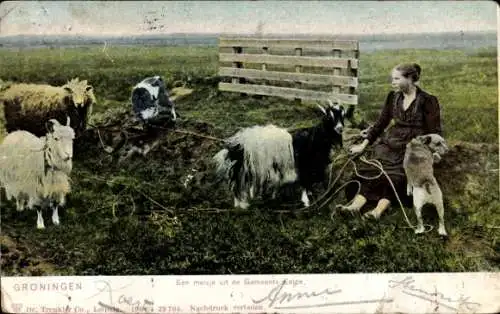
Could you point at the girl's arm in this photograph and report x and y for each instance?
(383, 119)
(432, 116)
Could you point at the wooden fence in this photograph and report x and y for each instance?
(307, 69)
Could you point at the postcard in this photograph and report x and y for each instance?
(249, 157)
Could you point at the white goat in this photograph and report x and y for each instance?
(255, 156)
(35, 170)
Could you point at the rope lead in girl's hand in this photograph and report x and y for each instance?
(358, 148)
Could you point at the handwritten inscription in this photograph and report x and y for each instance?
(106, 292)
(279, 299)
(137, 305)
(126, 303)
(276, 295)
(438, 298)
(270, 294)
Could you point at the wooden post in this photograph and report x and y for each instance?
(265, 51)
(236, 80)
(336, 71)
(353, 73)
(237, 64)
(298, 69)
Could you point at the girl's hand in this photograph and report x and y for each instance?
(364, 133)
(357, 149)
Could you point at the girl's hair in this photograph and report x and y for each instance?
(410, 70)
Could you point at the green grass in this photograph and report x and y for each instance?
(143, 238)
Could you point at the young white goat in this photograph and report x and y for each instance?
(35, 170)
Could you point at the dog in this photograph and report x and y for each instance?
(420, 155)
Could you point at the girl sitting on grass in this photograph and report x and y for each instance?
(415, 113)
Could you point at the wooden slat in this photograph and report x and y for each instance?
(306, 78)
(336, 71)
(289, 93)
(311, 44)
(324, 62)
(344, 59)
(237, 64)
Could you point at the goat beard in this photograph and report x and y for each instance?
(58, 163)
(56, 181)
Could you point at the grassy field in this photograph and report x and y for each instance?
(134, 218)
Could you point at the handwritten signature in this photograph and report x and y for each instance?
(436, 297)
(135, 304)
(279, 299)
(104, 287)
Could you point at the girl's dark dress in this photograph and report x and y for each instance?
(421, 117)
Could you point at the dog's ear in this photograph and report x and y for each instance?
(424, 139)
(427, 140)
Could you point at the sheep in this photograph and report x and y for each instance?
(83, 99)
(35, 170)
(420, 155)
(267, 157)
(29, 106)
(150, 99)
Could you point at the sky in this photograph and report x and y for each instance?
(245, 17)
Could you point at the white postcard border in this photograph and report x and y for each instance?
(288, 293)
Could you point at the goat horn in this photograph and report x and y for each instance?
(330, 102)
(321, 107)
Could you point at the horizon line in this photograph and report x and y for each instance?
(249, 34)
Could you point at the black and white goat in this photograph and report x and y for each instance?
(150, 99)
(263, 158)
(312, 147)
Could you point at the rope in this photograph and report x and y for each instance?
(303, 209)
(106, 148)
(198, 135)
(325, 196)
(378, 165)
(176, 130)
(102, 143)
(218, 210)
(323, 200)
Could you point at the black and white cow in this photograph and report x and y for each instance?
(150, 100)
